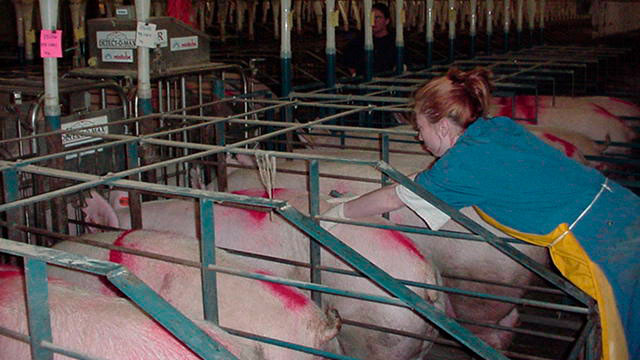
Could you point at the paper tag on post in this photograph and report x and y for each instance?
(146, 35)
(31, 36)
(51, 43)
(333, 18)
(79, 33)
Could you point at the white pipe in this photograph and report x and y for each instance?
(452, 19)
(143, 8)
(473, 19)
(531, 10)
(285, 29)
(429, 21)
(48, 16)
(489, 16)
(368, 34)
(332, 21)
(400, 23)
(542, 5)
(506, 16)
(519, 17)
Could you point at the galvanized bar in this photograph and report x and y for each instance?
(37, 301)
(389, 284)
(314, 210)
(172, 320)
(208, 257)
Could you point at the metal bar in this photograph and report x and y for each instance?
(208, 257)
(37, 298)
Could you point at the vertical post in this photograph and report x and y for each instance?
(208, 257)
(38, 307)
(507, 22)
(314, 210)
(285, 47)
(19, 30)
(11, 189)
(221, 168)
(489, 25)
(331, 22)
(452, 29)
(144, 83)
(49, 18)
(473, 19)
(531, 11)
(399, 37)
(368, 41)
(429, 32)
(519, 10)
(542, 6)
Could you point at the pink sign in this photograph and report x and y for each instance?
(51, 43)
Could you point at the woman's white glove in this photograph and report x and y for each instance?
(335, 212)
(429, 213)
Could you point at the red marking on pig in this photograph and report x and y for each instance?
(9, 271)
(258, 216)
(291, 297)
(602, 111)
(124, 201)
(525, 107)
(628, 103)
(569, 148)
(117, 256)
(405, 242)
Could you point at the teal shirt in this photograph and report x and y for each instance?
(527, 185)
(516, 178)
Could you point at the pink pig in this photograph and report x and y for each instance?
(591, 119)
(282, 312)
(99, 326)
(255, 231)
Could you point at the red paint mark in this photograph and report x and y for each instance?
(258, 216)
(569, 148)
(8, 271)
(526, 107)
(115, 255)
(405, 242)
(628, 103)
(290, 297)
(124, 201)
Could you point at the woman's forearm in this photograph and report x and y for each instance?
(374, 203)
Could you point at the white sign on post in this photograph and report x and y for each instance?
(146, 35)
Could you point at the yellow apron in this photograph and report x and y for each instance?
(574, 263)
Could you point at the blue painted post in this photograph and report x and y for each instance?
(331, 23)
(541, 32)
(429, 33)
(399, 37)
(208, 257)
(452, 14)
(531, 10)
(314, 247)
(489, 25)
(507, 22)
(519, 10)
(38, 307)
(144, 83)
(285, 47)
(368, 41)
(473, 24)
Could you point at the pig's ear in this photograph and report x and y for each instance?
(98, 211)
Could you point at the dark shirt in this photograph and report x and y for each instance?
(384, 54)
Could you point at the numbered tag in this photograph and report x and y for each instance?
(334, 18)
(31, 36)
(146, 35)
(290, 20)
(79, 33)
(51, 43)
